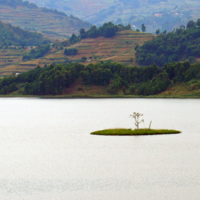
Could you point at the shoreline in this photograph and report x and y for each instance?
(101, 97)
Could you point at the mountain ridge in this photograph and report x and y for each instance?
(170, 14)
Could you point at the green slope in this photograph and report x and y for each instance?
(15, 36)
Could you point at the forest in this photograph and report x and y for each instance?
(107, 30)
(71, 51)
(181, 44)
(10, 35)
(151, 80)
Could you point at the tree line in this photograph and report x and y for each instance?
(181, 44)
(107, 30)
(55, 11)
(150, 80)
(70, 51)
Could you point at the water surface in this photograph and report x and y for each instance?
(47, 152)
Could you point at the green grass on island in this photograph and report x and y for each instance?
(135, 132)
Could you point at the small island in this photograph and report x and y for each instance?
(137, 132)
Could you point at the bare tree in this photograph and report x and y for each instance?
(150, 125)
(136, 116)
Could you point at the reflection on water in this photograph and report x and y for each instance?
(46, 151)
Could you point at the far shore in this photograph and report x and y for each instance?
(101, 96)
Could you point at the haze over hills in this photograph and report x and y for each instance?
(156, 14)
(52, 23)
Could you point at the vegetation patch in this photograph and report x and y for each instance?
(122, 131)
(40, 51)
(108, 30)
(71, 52)
(15, 37)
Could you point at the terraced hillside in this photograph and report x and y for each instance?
(52, 25)
(120, 49)
(10, 60)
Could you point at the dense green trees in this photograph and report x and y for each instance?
(158, 31)
(107, 30)
(178, 45)
(74, 39)
(143, 27)
(71, 51)
(40, 51)
(114, 76)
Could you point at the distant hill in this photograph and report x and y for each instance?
(155, 14)
(52, 23)
(15, 36)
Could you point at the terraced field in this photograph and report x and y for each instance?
(52, 25)
(10, 62)
(118, 49)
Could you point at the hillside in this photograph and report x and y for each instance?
(120, 48)
(15, 36)
(156, 14)
(52, 23)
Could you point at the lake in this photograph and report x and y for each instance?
(47, 152)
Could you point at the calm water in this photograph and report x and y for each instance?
(47, 152)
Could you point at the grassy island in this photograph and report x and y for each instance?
(135, 132)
